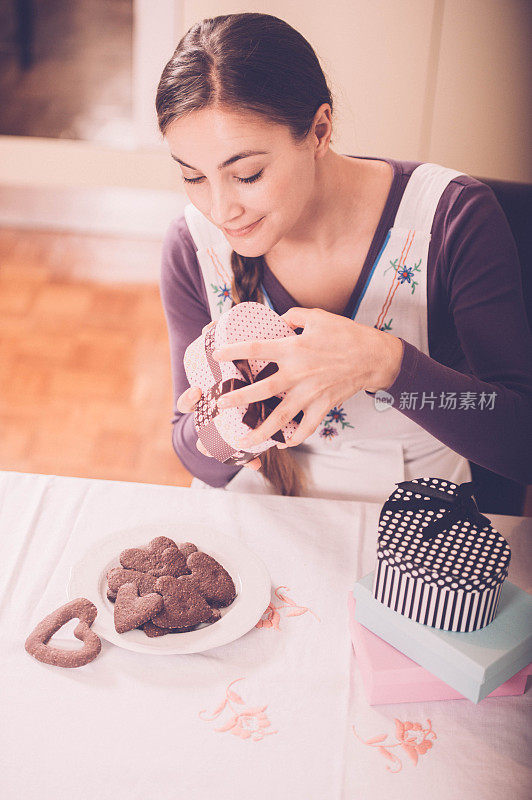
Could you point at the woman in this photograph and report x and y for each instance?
(403, 276)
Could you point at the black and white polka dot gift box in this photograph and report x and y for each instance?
(439, 560)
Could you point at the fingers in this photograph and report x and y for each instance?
(186, 401)
(202, 449)
(206, 327)
(281, 416)
(311, 419)
(261, 390)
(267, 350)
(297, 317)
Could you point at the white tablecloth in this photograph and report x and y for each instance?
(130, 725)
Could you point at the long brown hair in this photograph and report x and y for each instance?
(260, 63)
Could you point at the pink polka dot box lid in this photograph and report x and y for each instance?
(220, 430)
(435, 548)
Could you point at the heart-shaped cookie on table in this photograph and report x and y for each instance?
(164, 541)
(210, 579)
(182, 605)
(187, 548)
(160, 557)
(37, 642)
(132, 609)
(116, 577)
(154, 631)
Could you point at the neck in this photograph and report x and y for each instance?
(333, 210)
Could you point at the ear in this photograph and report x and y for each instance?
(322, 130)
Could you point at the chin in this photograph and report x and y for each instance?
(250, 249)
(250, 252)
(255, 249)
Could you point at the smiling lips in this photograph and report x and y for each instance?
(243, 231)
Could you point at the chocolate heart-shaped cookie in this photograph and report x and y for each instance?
(144, 581)
(183, 606)
(210, 579)
(187, 548)
(158, 558)
(163, 541)
(37, 642)
(132, 610)
(153, 631)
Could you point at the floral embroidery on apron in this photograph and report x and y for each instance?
(221, 289)
(333, 422)
(386, 326)
(403, 274)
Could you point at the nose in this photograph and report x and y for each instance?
(224, 206)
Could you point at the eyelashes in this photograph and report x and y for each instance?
(251, 179)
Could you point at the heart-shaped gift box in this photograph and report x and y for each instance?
(220, 430)
(439, 560)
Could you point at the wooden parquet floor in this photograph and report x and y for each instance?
(85, 384)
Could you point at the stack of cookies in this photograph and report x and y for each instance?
(165, 587)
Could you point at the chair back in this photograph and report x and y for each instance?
(494, 493)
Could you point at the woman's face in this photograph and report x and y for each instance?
(240, 170)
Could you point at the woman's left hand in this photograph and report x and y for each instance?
(330, 361)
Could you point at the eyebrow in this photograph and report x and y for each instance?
(227, 162)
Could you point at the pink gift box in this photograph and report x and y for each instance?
(220, 430)
(391, 677)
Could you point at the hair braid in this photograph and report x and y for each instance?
(278, 466)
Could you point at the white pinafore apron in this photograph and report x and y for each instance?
(359, 452)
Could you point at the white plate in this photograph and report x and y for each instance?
(252, 582)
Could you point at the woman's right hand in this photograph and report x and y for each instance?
(185, 404)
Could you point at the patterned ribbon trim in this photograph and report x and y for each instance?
(461, 506)
(259, 410)
(207, 430)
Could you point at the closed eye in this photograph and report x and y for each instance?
(251, 179)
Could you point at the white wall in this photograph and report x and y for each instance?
(155, 36)
(483, 100)
(430, 80)
(375, 54)
(437, 80)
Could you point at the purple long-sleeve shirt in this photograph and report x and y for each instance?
(479, 339)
